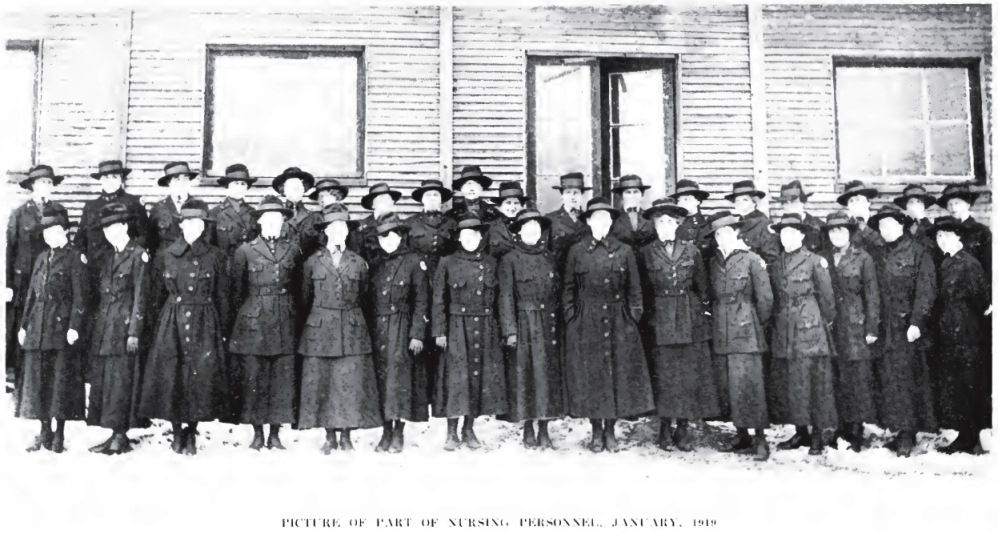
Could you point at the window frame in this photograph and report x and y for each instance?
(978, 160)
(287, 51)
(35, 46)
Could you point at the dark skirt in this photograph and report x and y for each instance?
(746, 390)
(401, 377)
(854, 391)
(904, 396)
(471, 374)
(340, 393)
(534, 371)
(803, 391)
(51, 386)
(114, 392)
(683, 381)
(962, 382)
(264, 389)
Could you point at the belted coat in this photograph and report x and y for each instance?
(261, 288)
(805, 305)
(742, 297)
(332, 296)
(676, 292)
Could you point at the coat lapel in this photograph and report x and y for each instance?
(261, 248)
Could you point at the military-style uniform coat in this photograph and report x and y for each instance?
(867, 239)
(694, 229)
(805, 305)
(262, 288)
(432, 235)
(364, 239)
(485, 211)
(164, 225)
(471, 376)
(605, 367)
(813, 238)
(499, 239)
(756, 233)
(978, 243)
(857, 300)
(743, 303)
(400, 299)
(629, 234)
(90, 238)
(563, 233)
(186, 379)
(234, 225)
(300, 228)
(24, 244)
(529, 288)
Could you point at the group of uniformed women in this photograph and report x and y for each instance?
(279, 315)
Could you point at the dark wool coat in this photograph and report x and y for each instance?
(499, 240)
(805, 305)
(432, 236)
(627, 233)
(55, 300)
(264, 298)
(528, 308)
(757, 234)
(742, 296)
(867, 239)
(24, 244)
(90, 238)
(962, 372)
(605, 366)
(907, 280)
(186, 379)
(563, 233)
(814, 238)
(978, 244)
(485, 211)
(694, 229)
(857, 298)
(677, 293)
(364, 239)
(399, 302)
(234, 225)
(332, 296)
(471, 375)
(300, 229)
(164, 226)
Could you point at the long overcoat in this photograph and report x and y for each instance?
(629, 234)
(499, 239)
(90, 238)
(24, 244)
(563, 233)
(857, 303)
(694, 229)
(233, 225)
(742, 297)
(164, 226)
(431, 236)
(757, 234)
(263, 295)
(805, 305)
(300, 229)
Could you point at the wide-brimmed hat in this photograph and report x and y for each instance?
(470, 221)
(271, 203)
(961, 191)
(686, 186)
(665, 206)
(792, 190)
(390, 222)
(110, 167)
(174, 169)
(329, 184)
(472, 173)
(839, 219)
(377, 190)
(432, 185)
(723, 219)
(510, 189)
(40, 171)
(744, 187)
(572, 180)
(527, 215)
(336, 213)
(236, 172)
(856, 188)
(195, 209)
(888, 211)
(308, 180)
(917, 192)
(114, 213)
(948, 223)
(599, 204)
(791, 220)
(54, 214)
(630, 181)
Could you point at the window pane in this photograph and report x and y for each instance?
(858, 93)
(642, 129)
(271, 113)
(860, 150)
(903, 88)
(904, 150)
(950, 150)
(18, 109)
(947, 89)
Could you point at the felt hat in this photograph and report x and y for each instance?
(328, 184)
(839, 219)
(665, 206)
(470, 221)
(113, 213)
(961, 191)
(175, 169)
(472, 173)
(686, 186)
(377, 190)
(432, 185)
(950, 224)
(390, 222)
(195, 209)
(914, 191)
(888, 211)
(54, 214)
(40, 171)
(110, 167)
(527, 215)
(236, 172)
(599, 204)
(723, 219)
(271, 203)
(744, 187)
(572, 180)
(856, 188)
(630, 181)
(308, 180)
(510, 189)
(791, 220)
(792, 190)
(336, 213)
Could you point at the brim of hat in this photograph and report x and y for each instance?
(874, 221)
(559, 188)
(960, 230)
(734, 225)
(802, 197)
(351, 224)
(123, 171)
(618, 189)
(731, 197)
(483, 227)
(851, 226)
(484, 181)
(306, 178)
(843, 199)
(804, 228)
(284, 211)
(969, 197)
(314, 195)
(206, 219)
(445, 193)
(166, 179)
(26, 183)
(68, 224)
(400, 227)
(654, 211)
(699, 195)
(544, 221)
(368, 199)
(223, 181)
(127, 219)
(499, 199)
(927, 199)
(614, 212)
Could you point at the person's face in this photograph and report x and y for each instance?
(915, 208)
(530, 232)
(328, 197)
(42, 188)
(337, 232)
(890, 229)
(793, 205)
(858, 205)
(294, 189)
(726, 237)
(631, 197)
(744, 204)
(947, 240)
(600, 222)
(958, 207)
(792, 238)
(110, 183)
(390, 241)
(432, 200)
(689, 203)
(383, 203)
(55, 236)
(471, 190)
(470, 239)
(839, 236)
(116, 232)
(180, 185)
(571, 197)
(192, 229)
(237, 189)
(271, 223)
(510, 207)
(665, 227)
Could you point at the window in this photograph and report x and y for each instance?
(605, 117)
(901, 121)
(275, 107)
(20, 105)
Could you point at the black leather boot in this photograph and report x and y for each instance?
(452, 443)
(345, 442)
(398, 439)
(760, 447)
(386, 438)
(543, 438)
(274, 439)
(800, 438)
(665, 434)
(257, 442)
(468, 436)
(683, 437)
(741, 444)
(817, 444)
(529, 439)
(609, 435)
(178, 438)
(597, 443)
(330, 445)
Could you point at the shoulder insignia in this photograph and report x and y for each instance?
(83, 257)
(422, 265)
(823, 262)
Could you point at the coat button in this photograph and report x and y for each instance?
(606, 335)
(190, 288)
(178, 299)
(481, 278)
(389, 279)
(384, 292)
(606, 320)
(188, 327)
(604, 307)
(476, 332)
(486, 310)
(476, 319)
(58, 318)
(542, 306)
(606, 353)
(616, 296)
(188, 314)
(606, 280)
(479, 292)
(195, 262)
(481, 267)
(193, 275)
(476, 346)
(188, 339)
(552, 314)
(611, 255)
(476, 372)
(463, 309)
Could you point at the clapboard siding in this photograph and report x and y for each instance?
(800, 44)
(490, 48)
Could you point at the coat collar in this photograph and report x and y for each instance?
(794, 259)
(281, 248)
(678, 247)
(610, 243)
(180, 246)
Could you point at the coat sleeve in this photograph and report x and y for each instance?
(420, 302)
(222, 301)
(568, 284)
(977, 281)
(871, 296)
(12, 227)
(306, 290)
(440, 297)
(647, 292)
(823, 285)
(238, 279)
(761, 290)
(507, 298)
(140, 223)
(80, 296)
(140, 285)
(701, 283)
(925, 290)
(82, 239)
(152, 233)
(635, 299)
(29, 297)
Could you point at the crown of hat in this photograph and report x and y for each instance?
(471, 170)
(232, 168)
(270, 199)
(54, 209)
(573, 175)
(113, 209)
(194, 203)
(599, 200)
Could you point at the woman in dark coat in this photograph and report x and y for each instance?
(676, 291)
(962, 374)
(907, 279)
(857, 324)
(399, 297)
(52, 383)
(262, 343)
(186, 379)
(605, 367)
(339, 388)
(118, 326)
(471, 376)
(528, 317)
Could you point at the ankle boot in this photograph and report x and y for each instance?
(178, 438)
(683, 438)
(274, 439)
(468, 434)
(665, 434)
(42, 440)
(452, 442)
(398, 440)
(609, 436)
(120, 444)
(760, 448)
(191, 440)
(742, 442)
(543, 439)
(905, 444)
(386, 438)
(345, 442)
(856, 437)
(800, 438)
(817, 444)
(103, 447)
(330, 445)
(529, 439)
(598, 442)
(257, 443)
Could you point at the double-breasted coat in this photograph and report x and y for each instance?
(564, 232)
(262, 340)
(186, 377)
(694, 229)
(606, 371)
(907, 280)
(635, 234)
(90, 238)
(164, 225)
(499, 240)
(233, 225)
(300, 228)
(529, 293)
(52, 382)
(122, 288)
(867, 239)
(857, 314)
(400, 302)
(677, 306)
(757, 234)
(471, 374)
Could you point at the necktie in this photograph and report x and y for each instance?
(669, 245)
